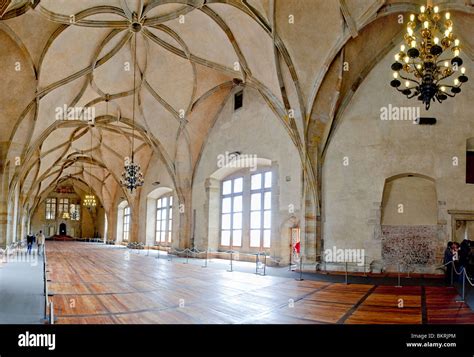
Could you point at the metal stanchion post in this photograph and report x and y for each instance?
(301, 269)
(231, 257)
(205, 262)
(463, 272)
(51, 313)
(398, 286)
(365, 268)
(452, 273)
(256, 263)
(265, 265)
(347, 278)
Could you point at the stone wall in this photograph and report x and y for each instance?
(377, 150)
(410, 246)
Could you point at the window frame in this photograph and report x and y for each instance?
(232, 195)
(126, 223)
(262, 191)
(246, 175)
(168, 218)
(49, 208)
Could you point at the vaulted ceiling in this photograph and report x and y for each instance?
(191, 54)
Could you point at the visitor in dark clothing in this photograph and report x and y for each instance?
(29, 242)
(448, 258)
(464, 250)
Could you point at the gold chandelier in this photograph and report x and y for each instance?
(429, 56)
(89, 200)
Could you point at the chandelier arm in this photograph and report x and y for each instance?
(417, 70)
(449, 95)
(443, 78)
(444, 60)
(409, 79)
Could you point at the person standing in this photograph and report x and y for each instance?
(40, 242)
(464, 252)
(448, 261)
(29, 242)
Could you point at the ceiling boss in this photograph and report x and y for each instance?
(428, 58)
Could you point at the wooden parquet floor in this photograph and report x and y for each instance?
(95, 284)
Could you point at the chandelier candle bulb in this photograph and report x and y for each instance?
(422, 9)
(426, 24)
(436, 9)
(447, 16)
(456, 42)
(456, 81)
(412, 17)
(395, 75)
(436, 40)
(463, 70)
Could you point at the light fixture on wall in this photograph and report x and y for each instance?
(90, 201)
(132, 176)
(66, 216)
(429, 56)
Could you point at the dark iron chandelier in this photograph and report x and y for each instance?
(432, 55)
(132, 176)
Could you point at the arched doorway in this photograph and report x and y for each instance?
(62, 229)
(409, 222)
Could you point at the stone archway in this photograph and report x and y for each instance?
(409, 223)
(62, 229)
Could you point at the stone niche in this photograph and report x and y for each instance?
(411, 246)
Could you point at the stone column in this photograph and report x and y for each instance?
(211, 212)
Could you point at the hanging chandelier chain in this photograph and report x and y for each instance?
(132, 177)
(134, 94)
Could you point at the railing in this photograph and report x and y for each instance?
(464, 278)
(47, 303)
(262, 259)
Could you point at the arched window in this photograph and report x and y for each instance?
(159, 216)
(246, 210)
(123, 221)
(164, 219)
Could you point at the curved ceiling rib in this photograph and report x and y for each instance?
(172, 59)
